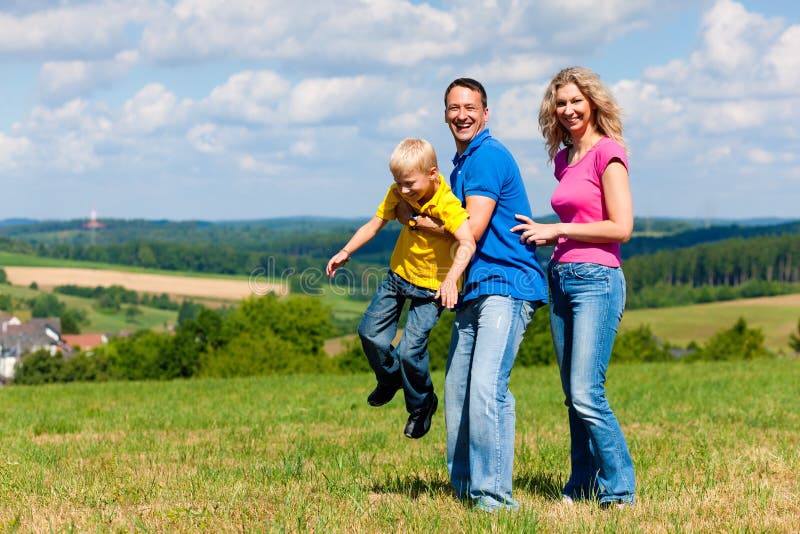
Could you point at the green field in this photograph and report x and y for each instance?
(23, 260)
(776, 316)
(715, 447)
(104, 321)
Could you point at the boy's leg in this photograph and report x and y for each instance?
(377, 329)
(412, 351)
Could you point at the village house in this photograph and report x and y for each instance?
(18, 339)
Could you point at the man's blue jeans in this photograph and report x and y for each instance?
(586, 303)
(408, 364)
(479, 408)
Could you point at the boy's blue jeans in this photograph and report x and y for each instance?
(586, 303)
(408, 364)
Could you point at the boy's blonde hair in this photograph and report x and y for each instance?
(412, 155)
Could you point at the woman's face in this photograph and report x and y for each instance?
(574, 111)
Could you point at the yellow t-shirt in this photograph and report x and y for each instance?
(420, 257)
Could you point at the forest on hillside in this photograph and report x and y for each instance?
(667, 262)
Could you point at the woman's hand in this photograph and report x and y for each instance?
(538, 234)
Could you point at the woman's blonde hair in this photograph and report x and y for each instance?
(607, 115)
(412, 155)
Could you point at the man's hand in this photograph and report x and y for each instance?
(403, 211)
(448, 292)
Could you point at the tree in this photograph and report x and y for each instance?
(46, 305)
(39, 368)
(736, 343)
(794, 339)
(639, 345)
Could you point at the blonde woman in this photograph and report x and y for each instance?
(581, 125)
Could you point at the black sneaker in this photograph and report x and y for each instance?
(382, 394)
(420, 422)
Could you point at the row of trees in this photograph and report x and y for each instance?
(113, 297)
(261, 336)
(268, 335)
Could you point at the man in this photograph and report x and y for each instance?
(502, 288)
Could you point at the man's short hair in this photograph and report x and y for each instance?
(469, 83)
(412, 155)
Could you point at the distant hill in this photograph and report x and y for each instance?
(16, 222)
(297, 243)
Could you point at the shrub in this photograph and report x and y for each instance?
(639, 345)
(39, 368)
(736, 343)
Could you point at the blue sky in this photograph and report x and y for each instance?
(241, 109)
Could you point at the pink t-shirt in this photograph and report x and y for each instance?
(578, 198)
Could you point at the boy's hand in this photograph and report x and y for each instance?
(403, 211)
(338, 259)
(448, 292)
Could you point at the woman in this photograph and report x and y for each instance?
(587, 287)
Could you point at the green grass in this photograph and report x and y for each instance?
(715, 448)
(776, 316)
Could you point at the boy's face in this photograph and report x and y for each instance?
(418, 186)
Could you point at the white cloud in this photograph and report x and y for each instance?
(760, 156)
(303, 148)
(12, 150)
(152, 108)
(62, 80)
(411, 121)
(516, 68)
(89, 30)
(733, 37)
(734, 60)
(319, 100)
(260, 166)
(249, 96)
(516, 115)
(205, 138)
(784, 59)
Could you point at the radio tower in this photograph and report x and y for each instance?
(93, 224)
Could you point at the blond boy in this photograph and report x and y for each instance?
(423, 269)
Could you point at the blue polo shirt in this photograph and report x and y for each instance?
(501, 265)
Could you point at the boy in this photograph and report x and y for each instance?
(422, 270)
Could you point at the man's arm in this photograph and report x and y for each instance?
(480, 211)
(359, 239)
(448, 291)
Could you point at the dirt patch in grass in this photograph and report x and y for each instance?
(185, 286)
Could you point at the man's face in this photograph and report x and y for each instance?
(465, 115)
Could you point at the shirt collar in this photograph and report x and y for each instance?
(473, 145)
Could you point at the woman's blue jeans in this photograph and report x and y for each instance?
(586, 303)
(479, 408)
(408, 364)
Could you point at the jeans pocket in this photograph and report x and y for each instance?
(591, 271)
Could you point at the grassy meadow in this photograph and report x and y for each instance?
(716, 448)
(777, 317)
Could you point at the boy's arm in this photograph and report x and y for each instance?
(359, 239)
(448, 291)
